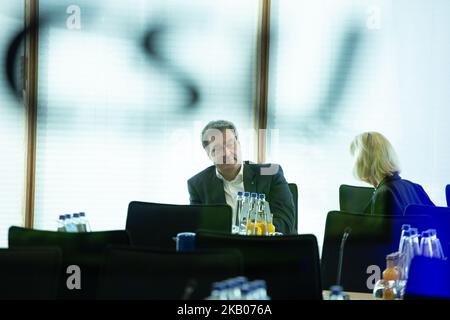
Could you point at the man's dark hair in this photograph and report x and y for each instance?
(221, 125)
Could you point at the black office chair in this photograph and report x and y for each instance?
(434, 211)
(29, 273)
(143, 273)
(354, 198)
(85, 250)
(289, 264)
(370, 239)
(294, 190)
(155, 224)
(428, 279)
(447, 194)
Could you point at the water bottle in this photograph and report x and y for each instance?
(407, 253)
(405, 228)
(239, 282)
(218, 291)
(261, 217)
(243, 219)
(414, 234)
(436, 247)
(247, 292)
(401, 267)
(336, 293)
(233, 289)
(238, 214)
(84, 222)
(61, 224)
(76, 221)
(67, 220)
(251, 221)
(255, 228)
(69, 225)
(250, 290)
(260, 288)
(425, 245)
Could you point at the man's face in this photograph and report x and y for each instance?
(224, 150)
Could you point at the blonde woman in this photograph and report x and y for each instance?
(376, 163)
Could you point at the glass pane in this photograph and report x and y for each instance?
(12, 128)
(125, 88)
(339, 68)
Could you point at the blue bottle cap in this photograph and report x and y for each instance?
(246, 194)
(259, 283)
(240, 193)
(81, 214)
(336, 289)
(231, 283)
(67, 216)
(62, 217)
(261, 196)
(76, 215)
(241, 280)
(218, 285)
(254, 195)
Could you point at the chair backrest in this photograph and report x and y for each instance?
(447, 194)
(417, 209)
(85, 250)
(428, 279)
(29, 273)
(354, 198)
(144, 273)
(371, 238)
(294, 190)
(441, 221)
(155, 224)
(289, 264)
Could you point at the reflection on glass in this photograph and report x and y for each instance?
(338, 68)
(12, 128)
(114, 119)
(389, 289)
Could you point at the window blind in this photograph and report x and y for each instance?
(12, 130)
(339, 68)
(125, 88)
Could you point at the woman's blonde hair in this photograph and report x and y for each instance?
(375, 158)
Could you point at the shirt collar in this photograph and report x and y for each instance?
(395, 176)
(238, 179)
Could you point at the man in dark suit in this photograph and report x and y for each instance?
(219, 183)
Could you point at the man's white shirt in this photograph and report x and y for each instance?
(231, 188)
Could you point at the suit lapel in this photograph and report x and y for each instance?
(216, 192)
(249, 179)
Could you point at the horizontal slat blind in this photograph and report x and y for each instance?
(12, 130)
(116, 123)
(339, 68)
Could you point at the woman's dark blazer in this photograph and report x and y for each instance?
(394, 194)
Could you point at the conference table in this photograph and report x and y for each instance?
(353, 295)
